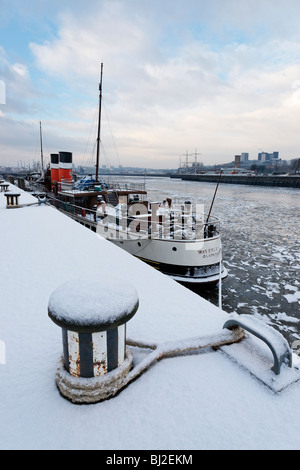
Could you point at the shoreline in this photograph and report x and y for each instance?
(275, 181)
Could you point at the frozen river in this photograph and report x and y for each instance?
(261, 246)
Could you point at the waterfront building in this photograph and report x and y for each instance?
(268, 157)
(237, 161)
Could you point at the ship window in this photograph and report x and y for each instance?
(174, 248)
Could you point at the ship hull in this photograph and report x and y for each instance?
(184, 261)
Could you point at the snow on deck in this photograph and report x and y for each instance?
(199, 401)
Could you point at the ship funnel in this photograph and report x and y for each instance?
(54, 166)
(65, 167)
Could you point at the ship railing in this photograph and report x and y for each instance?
(169, 226)
(125, 186)
(161, 227)
(103, 185)
(77, 212)
(172, 228)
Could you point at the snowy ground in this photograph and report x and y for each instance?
(202, 400)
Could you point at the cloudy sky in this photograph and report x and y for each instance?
(216, 77)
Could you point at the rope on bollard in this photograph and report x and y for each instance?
(80, 390)
(178, 348)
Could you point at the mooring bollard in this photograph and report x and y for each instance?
(3, 186)
(12, 199)
(93, 317)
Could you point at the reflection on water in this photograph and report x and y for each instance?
(261, 247)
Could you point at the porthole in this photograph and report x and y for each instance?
(174, 248)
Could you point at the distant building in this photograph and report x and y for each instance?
(237, 161)
(244, 157)
(268, 157)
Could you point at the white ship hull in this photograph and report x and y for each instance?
(188, 261)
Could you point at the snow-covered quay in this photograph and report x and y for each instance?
(204, 398)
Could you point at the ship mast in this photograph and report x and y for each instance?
(99, 123)
(42, 157)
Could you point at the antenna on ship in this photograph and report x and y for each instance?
(220, 264)
(212, 202)
(99, 123)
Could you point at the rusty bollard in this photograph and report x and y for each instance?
(93, 317)
(12, 199)
(3, 186)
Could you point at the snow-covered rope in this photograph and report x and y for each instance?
(95, 389)
(179, 348)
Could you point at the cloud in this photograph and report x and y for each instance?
(19, 89)
(219, 76)
(110, 34)
(2, 92)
